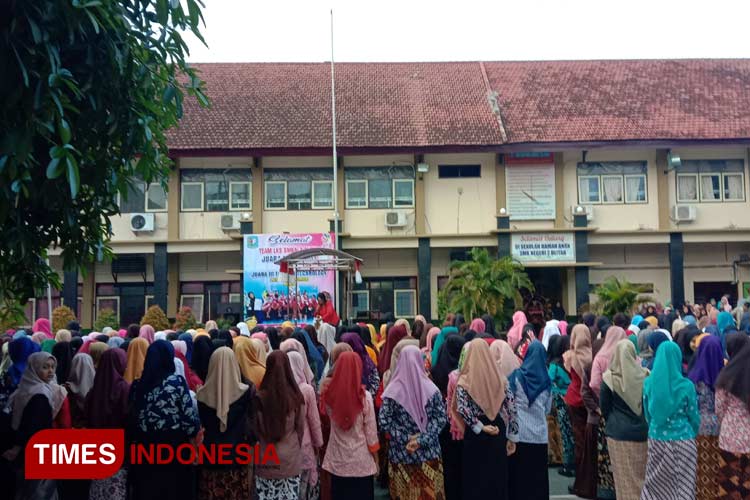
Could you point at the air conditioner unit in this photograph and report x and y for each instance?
(587, 209)
(684, 213)
(142, 223)
(395, 219)
(230, 222)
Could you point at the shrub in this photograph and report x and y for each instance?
(155, 317)
(185, 319)
(61, 316)
(106, 317)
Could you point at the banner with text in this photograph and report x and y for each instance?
(543, 247)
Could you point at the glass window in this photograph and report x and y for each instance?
(687, 188)
(275, 195)
(156, 199)
(635, 189)
(588, 189)
(379, 191)
(734, 187)
(136, 199)
(300, 195)
(240, 195)
(612, 189)
(356, 194)
(456, 171)
(195, 303)
(111, 302)
(361, 304)
(405, 303)
(403, 192)
(148, 301)
(192, 196)
(710, 187)
(235, 298)
(322, 194)
(217, 196)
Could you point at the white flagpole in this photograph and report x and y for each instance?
(335, 189)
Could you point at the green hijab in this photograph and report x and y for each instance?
(666, 389)
(634, 339)
(47, 345)
(439, 342)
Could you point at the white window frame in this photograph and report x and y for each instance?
(237, 297)
(394, 203)
(182, 197)
(33, 310)
(321, 207)
(599, 183)
(108, 297)
(724, 176)
(145, 301)
(625, 188)
(697, 188)
(250, 198)
(395, 302)
(367, 293)
(166, 199)
(198, 317)
(601, 188)
(721, 187)
(265, 191)
(362, 181)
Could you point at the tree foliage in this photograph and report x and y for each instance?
(185, 319)
(61, 316)
(155, 317)
(615, 295)
(106, 317)
(89, 90)
(485, 285)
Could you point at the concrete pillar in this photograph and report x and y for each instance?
(424, 264)
(160, 275)
(582, 255)
(677, 268)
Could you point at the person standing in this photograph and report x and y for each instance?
(671, 409)
(326, 311)
(560, 378)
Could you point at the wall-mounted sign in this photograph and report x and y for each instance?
(530, 191)
(543, 247)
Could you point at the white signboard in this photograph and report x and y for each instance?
(530, 191)
(543, 247)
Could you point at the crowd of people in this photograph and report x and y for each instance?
(654, 406)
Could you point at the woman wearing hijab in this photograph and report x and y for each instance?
(709, 360)
(444, 333)
(202, 350)
(136, 358)
(161, 412)
(47, 345)
(63, 335)
(147, 332)
(621, 401)
(96, 349)
(294, 345)
(560, 379)
(107, 408)
(63, 355)
(35, 405)
(506, 361)
(653, 341)
(551, 329)
(514, 332)
(314, 358)
(733, 412)
(531, 387)
(487, 411)
(43, 325)
(412, 416)
(225, 409)
(584, 418)
(528, 335)
(19, 351)
(39, 337)
(193, 381)
(313, 437)
(671, 410)
(79, 383)
(351, 455)
(430, 337)
(395, 334)
(394, 359)
(251, 356)
(370, 379)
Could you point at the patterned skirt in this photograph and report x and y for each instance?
(224, 484)
(566, 433)
(628, 467)
(309, 490)
(554, 442)
(605, 486)
(706, 486)
(416, 481)
(111, 488)
(276, 489)
(734, 475)
(670, 470)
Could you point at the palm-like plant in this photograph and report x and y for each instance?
(485, 285)
(615, 295)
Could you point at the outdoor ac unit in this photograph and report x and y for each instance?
(142, 223)
(230, 222)
(587, 209)
(395, 219)
(684, 213)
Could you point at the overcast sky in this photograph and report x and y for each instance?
(459, 30)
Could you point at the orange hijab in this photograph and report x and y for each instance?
(136, 357)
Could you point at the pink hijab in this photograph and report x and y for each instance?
(147, 332)
(477, 325)
(410, 387)
(514, 333)
(563, 326)
(604, 357)
(42, 325)
(122, 333)
(434, 332)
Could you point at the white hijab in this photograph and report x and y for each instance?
(551, 329)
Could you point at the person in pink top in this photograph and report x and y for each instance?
(514, 333)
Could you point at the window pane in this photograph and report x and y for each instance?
(404, 193)
(240, 196)
(217, 196)
(323, 193)
(136, 199)
(192, 196)
(356, 196)
(380, 193)
(360, 304)
(112, 303)
(734, 188)
(455, 171)
(275, 195)
(300, 196)
(405, 303)
(635, 189)
(687, 188)
(588, 187)
(710, 188)
(157, 197)
(612, 189)
(195, 303)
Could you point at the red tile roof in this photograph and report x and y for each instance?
(286, 106)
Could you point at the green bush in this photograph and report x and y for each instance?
(155, 317)
(185, 320)
(106, 317)
(61, 316)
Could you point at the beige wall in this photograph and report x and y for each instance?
(635, 263)
(209, 266)
(122, 232)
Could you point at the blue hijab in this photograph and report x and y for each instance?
(636, 320)
(532, 375)
(708, 363)
(19, 351)
(188, 339)
(690, 320)
(724, 321)
(159, 364)
(655, 339)
(313, 353)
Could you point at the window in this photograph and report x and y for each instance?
(135, 201)
(108, 302)
(217, 196)
(356, 194)
(235, 298)
(687, 188)
(710, 187)
(240, 196)
(711, 181)
(300, 195)
(459, 171)
(276, 195)
(405, 303)
(156, 198)
(380, 193)
(612, 182)
(360, 303)
(195, 303)
(403, 193)
(192, 197)
(322, 194)
(734, 187)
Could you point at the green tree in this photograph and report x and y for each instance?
(615, 295)
(185, 320)
(155, 317)
(485, 285)
(61, 316)
(89, 89)
(106, 317)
